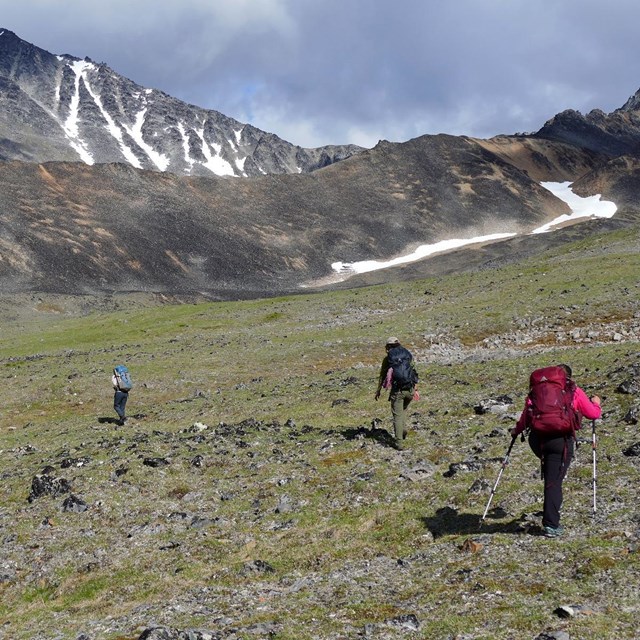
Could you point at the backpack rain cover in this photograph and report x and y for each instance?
(123, 378)
(551, 411)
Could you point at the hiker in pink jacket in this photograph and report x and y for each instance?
(586, 407)
(556, 451)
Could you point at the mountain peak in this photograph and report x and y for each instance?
(612, 134)
(632, 104)
(9, 39)
(67, 108)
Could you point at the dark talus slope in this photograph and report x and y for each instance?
(70, 227)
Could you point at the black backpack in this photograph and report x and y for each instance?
(404, 375)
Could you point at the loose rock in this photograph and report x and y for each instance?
(74, 504)
(43, 485)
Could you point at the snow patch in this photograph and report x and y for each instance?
(590, 207)
(421, 252)
(70, 126)
(185, 146)
(113, 128)
(240, 164)
(161, 161)
(214, 162)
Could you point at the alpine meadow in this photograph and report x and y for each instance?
(249, 287)
(253, 493)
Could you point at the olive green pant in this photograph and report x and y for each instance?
(400, 400)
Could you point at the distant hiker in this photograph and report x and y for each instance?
(399, 375)
(122, 384)
(553, 412)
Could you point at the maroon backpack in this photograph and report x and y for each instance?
(551, 411)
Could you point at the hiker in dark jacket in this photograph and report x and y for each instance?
(556, 452)
(400, 395)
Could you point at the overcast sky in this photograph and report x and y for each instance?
(321, 72)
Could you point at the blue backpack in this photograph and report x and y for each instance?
(123, 378)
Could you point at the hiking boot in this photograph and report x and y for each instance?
(398, 445)
(552, 532)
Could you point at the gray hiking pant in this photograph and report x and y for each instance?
(400, 400)
(119, 403)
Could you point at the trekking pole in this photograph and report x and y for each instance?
(505, 462)
(593, 447)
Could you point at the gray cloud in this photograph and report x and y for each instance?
(341, 71)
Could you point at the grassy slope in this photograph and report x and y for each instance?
(354, 510)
